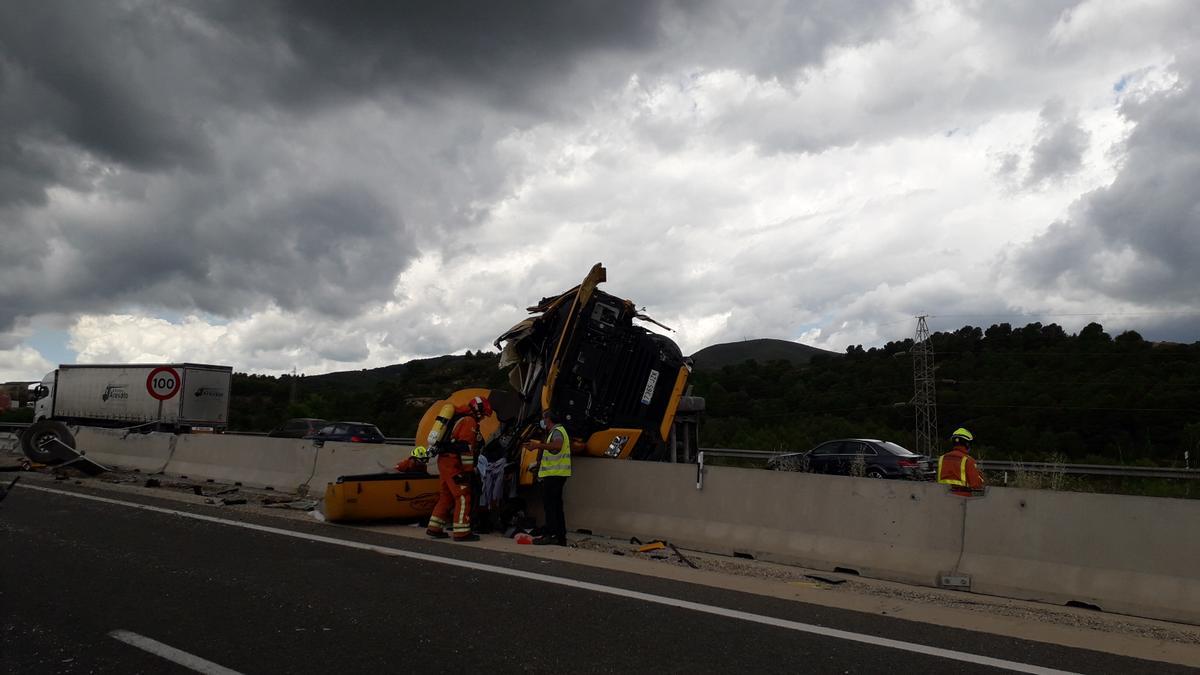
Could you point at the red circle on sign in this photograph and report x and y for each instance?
(163, 383)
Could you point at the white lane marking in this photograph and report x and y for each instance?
(190, 661)
(813, 629)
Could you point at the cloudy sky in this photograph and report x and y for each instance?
(330, 186)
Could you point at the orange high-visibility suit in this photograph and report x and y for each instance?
(412, 465)
(456, 467)
(957, 469)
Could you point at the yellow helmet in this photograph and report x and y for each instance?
(420, 452)
(963, 434)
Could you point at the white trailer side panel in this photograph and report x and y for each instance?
(205, 396)
(109, 393)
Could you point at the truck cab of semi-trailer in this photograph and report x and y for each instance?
(43, 396)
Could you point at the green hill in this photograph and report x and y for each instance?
(762, 350)
(393, 397)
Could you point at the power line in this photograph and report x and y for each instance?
(987, 352)
(1072, 384)
(794, 413)
(1068, 407)
(1173, 312)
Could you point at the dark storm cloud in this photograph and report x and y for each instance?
(142, 104)
(1139, 238)
(1059, 149)
(137, 83)
(504, 50)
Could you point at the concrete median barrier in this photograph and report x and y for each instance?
(118, 448)
(255, 461)
(348, 459)
(898, 530)
(1131, 555)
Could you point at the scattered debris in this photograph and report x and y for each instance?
(225, 501)
(523, 538)
(274, 499)
(197, 491)
(681, 557)
(225, 491)
(298, 504)
(652, 546)
(152, 482)
(827, 580)
(616, 552)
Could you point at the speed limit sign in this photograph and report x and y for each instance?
(163, 383)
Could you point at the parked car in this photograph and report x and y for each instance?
(298, 428)
(349, 432)
(880, 459)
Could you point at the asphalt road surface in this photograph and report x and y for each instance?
(92, 586)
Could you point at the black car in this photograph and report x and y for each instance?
(349, 432)
(875, 459)
(298, 428)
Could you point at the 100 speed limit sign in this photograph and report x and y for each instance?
(163, 383)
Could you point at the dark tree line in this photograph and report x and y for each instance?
(1025, 393)
(393, 398)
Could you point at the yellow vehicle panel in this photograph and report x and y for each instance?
(381, 496)
(619, 441)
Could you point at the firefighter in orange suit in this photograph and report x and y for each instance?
(456, 467)
(418, 462)
(957, 467)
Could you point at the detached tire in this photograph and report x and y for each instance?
(40, 442)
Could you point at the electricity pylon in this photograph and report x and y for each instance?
(924, 392)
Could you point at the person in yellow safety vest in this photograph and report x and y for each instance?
(957, 467)
(553, 468)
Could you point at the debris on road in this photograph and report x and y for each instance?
(681, 557)
(152, 483)
(298, 504)
(826, 580)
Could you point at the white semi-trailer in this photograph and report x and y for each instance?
(175, 396)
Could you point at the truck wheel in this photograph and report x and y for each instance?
(40, 442)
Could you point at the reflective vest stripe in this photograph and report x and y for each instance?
(557, 464)
(962, 473)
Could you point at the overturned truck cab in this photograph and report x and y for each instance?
(615, 385)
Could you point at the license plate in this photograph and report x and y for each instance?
(651, 382)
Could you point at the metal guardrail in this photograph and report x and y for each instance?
(1093, 469)
(390, 441)
(1033, 467)
(745, 454)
